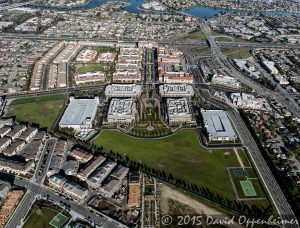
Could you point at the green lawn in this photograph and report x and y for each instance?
(40, 217)
(105, 49)
(236, 53)
(40, 110)
(90, 68)
(197, 35)
(180, 154)
(244, 157)
(223, 39)
(28, 100)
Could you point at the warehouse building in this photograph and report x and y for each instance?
(79, 113)
(218, 125)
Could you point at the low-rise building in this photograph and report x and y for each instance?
(122, 111)
(95, 180)
(86, 55)
(57, 181)
(4, 142)
(31, 150)
(17, 131)
(123, 90)
(223, 80)
(14, 148)
(270, 67)
(55, 165)
(16, 167)
(248, 101)
(110, 186)
(106, 57)
(80, 112)
(176, 90)
(81, 155)
(4, 131)
(29, 134)
(75, 190)
(90, 77)
(218, 125)
(71, 167)
(90, 168)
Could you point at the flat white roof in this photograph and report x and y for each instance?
(218, 124)
(176, 89)
(79, 111)
(122, 89)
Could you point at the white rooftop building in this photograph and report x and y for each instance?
(270, 67)
(178, 111)
(225, 80)
(80, 112)
(248, 101)
(122, 111)
(218, 125)
(176, 90)
(123, 90)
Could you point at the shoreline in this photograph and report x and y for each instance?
(63, 7)
(151, 10)
(185, 9)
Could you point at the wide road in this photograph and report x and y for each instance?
(162, 42)
(276, 194)
(282, 98)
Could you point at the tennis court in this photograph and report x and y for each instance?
(240, 173)
(248, 188)
(59, 220)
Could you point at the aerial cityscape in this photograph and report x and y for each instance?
(149, 113)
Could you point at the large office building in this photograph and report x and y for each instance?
(176, 90)
(178, 111)
(122, 111)
(218, 125)
(80, 112)
(123, 90)
(223, 80)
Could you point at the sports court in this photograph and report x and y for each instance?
(59, 220)
(240, 173)
(248, 188)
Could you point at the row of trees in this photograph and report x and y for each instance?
(200, 191)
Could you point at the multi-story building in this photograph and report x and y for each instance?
(122, 111)
(123, 90)
(176, 90)
(178, 111)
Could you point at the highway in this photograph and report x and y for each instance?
(162, 42)
(282, 98)
(276, 194)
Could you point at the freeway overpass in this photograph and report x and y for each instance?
(133, 41)
(16, 5)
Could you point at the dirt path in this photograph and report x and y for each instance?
(166, 193)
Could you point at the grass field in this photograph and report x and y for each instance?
(90, 68)
(197, 35)
(223, 39)
(244, 157)
(40, 217)
(104, 49)
(40, 110)
(180, 154)
(28, 100)
(236, 53)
